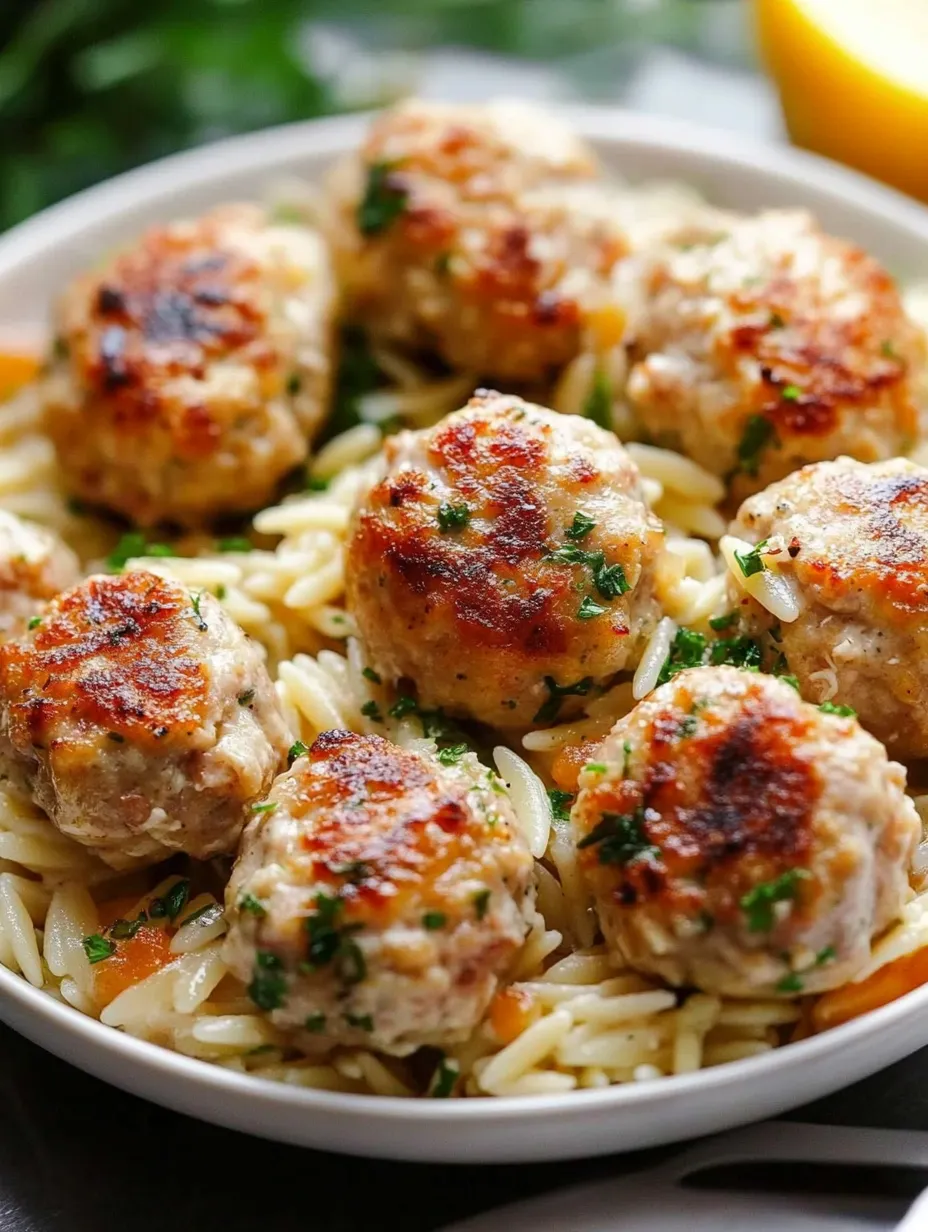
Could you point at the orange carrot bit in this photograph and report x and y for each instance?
(132, 961)
(512, 1010)
(885, 985)
(17, 368)
(566, 767)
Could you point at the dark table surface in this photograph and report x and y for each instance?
(79, 1156)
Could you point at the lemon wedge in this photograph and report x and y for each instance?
(853, 81)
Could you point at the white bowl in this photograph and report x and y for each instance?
(35, 258)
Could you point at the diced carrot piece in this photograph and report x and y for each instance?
(133, 961)
(511, 1011)
(17, 368)
(885, 985)
(566, 767)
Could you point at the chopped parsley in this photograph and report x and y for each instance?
(268, 987)
(132, 544)
(369, 674)
(560, 804)
(776, 321)
(34, 622)
(314, 1022)
(371, 711)
(790, 983)
(195, 601)
(330, 942)
(246, 698)
(609, 580)
(828, 954)
(444, 1079)
(481, 903)
(170, 904)
(758, 434)
(364, 1022)
(452, 517)
(791, 393)
(888, 350)
(720, 623)
(626, 757)
(125, 930)
(687, 727)
(598, 403)
(253, 906)
(620, 838)
(844, 712)
(451, 755)
(758, 903)
(383, 201)
(596, 767)
(316, 483)
(206, 916)
(403, 705)
(297, 749)
(792, 681)
(741, 651)
(550, 709)
(579, 527)
(267, 806)
(97, 948)
(294, 383)
(234, 544)
(589, 609)
(687, 649)
(433, 920)
(750, 562)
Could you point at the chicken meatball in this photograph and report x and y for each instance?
(34, 566)
(190, 371)
(379, 896)
(851, 542)
(772, 346)
(140, 718)
(738, 840)
(476, 230)
(506, 563)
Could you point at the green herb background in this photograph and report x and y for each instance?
(89, 88)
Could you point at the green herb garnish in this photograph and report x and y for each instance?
(719, 623)
(686, 650)
(331, 942)
(481, 903)
(444, 1079)
(98, 948)
(598, 403)
(758, 903)
(758, 434)
(268, 987)
(34, 622)
(383, 201)
(131, 545)
(790, 983)
(844, 712)
(741, 651)
(791, 393)
(589, 609)
(369, 674)
(433, 920)
(452, 517)
(253, 906)
(549, 711)
(620, 838)
(750, 562)
(403, 705)
(125, 930)
(315, 1023)
(170, 904)
(372, 711)
(579, 527)
(560, 804)
(234, 544)
(267, 806)
(297, 749)
(452, 754)
(246, 698)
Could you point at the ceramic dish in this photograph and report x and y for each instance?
(34, 260)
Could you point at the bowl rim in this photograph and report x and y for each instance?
(260, 152)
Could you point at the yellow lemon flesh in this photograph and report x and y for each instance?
(853, 81)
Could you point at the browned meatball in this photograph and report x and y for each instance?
(476, 230)
(191, 370)
(34, 566)
(851, 541)
(140, 718)
(771, 345)
(379, 897)
(737, 839)
(505, 564)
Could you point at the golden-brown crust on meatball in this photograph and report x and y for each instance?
(117, 652)
(191, 370)
(468, 548)
(491, 242)
(852, 540)
(736, 838)
(773, 346)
